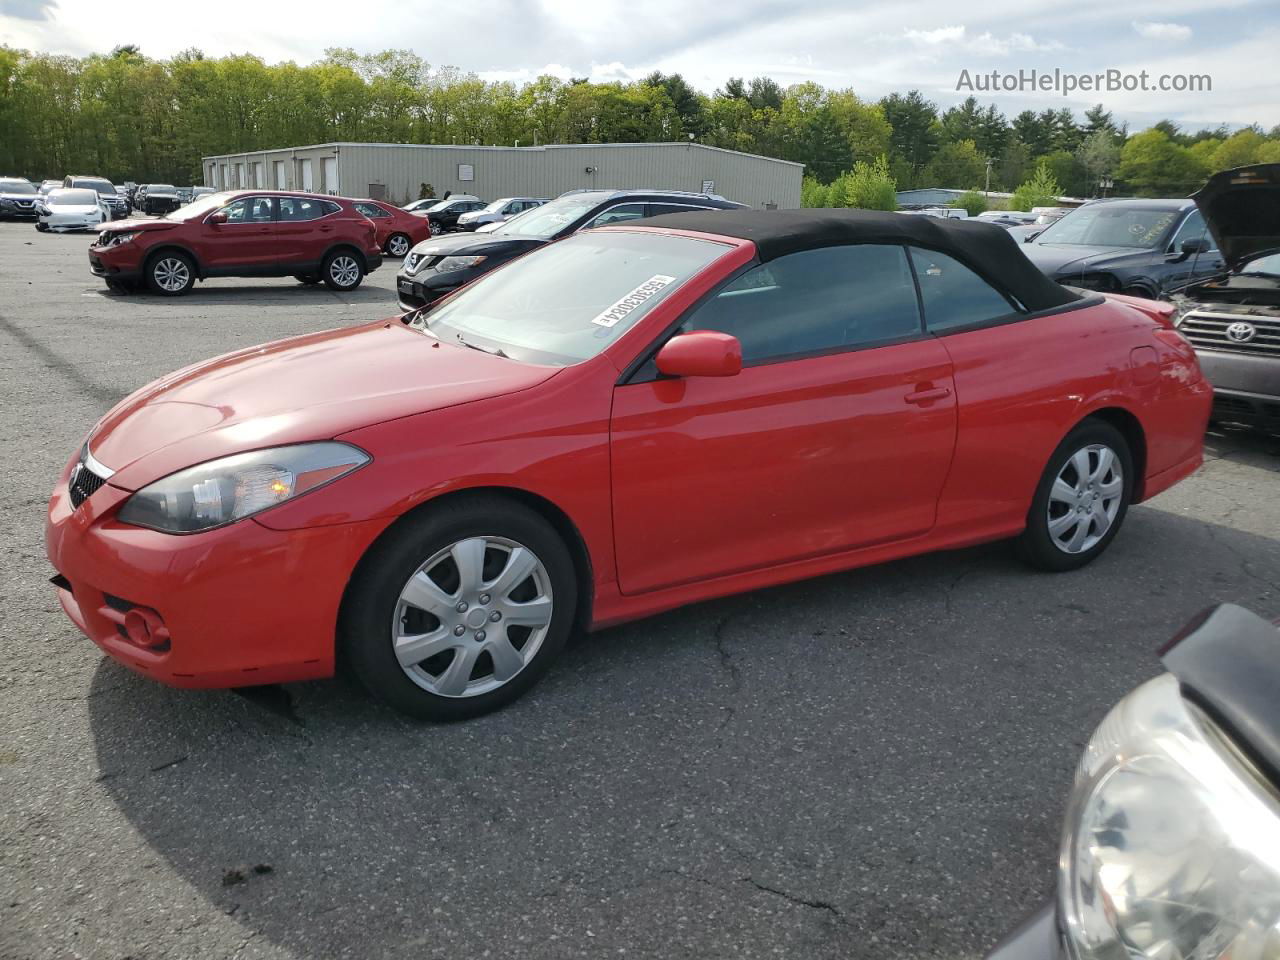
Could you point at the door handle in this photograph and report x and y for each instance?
(928, 396)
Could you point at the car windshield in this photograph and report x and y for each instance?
(73, 198)
(440, 205)
(497, 205)
(1268, 266)
(199, 206)
(566, 302)
(161, 188)
(98, 186)
(544, 222)
(16, 186)
(1110, 225)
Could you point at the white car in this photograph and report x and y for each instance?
(72, 209)
(498, 211)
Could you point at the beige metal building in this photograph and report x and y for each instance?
(398, 172)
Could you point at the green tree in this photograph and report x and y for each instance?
(1240, 149)
(916, 132)
(1154, 166)
(1041, 190)
(1098, 156)
(972, 202)
(957, 165)
(868, 186)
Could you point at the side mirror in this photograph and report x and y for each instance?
(1189, 248)
(217, 218)
(703, 353)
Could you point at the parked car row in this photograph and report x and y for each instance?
(462, 211)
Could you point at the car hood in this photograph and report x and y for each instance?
(79, 210)
(473, 245)
(134, 224)
(5, 195)
(1054, 259)
(313, 387)
(1242, 209)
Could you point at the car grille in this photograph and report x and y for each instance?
(84, 483)
(1209, 330)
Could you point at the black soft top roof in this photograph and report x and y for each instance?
(986, 248)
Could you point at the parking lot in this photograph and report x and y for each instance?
(870, 764)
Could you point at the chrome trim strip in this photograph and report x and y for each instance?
(106, 473)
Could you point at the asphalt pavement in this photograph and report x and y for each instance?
(869, 764)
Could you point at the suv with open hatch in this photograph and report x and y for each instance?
(247, 233)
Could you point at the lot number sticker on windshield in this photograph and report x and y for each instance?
(636, 298)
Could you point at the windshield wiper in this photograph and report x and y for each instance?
(494, 351)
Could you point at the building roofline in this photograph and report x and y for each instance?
(464, 146)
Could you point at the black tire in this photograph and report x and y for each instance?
(1038, 546)
(398, 245)
(42, 227)
(373, 597)
(307, 278)
(168, 267)
(341, 265)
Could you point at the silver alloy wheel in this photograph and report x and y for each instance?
(1085, 498)
(171, 274)
(345, 271)
(472, 617)
(398, 246)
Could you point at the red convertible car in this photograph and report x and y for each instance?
(634, 418)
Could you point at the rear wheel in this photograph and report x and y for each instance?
(398, 245)
(1082, 499)
(171, 274)
(342, 270)
(460, 610)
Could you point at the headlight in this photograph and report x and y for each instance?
(232, 488)
(107, 239)
(1172, 842)
(449, 264)
(1104, 282)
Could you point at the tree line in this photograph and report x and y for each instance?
(130, 117)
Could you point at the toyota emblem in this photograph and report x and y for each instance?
(1241, 332)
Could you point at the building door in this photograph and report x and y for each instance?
(329, 173)
(280, 181)
(308, 185)
(259, 177)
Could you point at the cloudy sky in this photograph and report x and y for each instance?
(874, 47)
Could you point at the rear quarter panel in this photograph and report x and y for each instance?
(1021, 387)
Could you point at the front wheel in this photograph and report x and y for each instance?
(460, 610)
(342, 270)
(1081, 500)
(171, 274)
(398, 245)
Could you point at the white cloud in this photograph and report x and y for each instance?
(1154, 30)
(961, 38)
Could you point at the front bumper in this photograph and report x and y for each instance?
(236, 606)
(1246, 387)
(55, 221)
(121, 261)
(1036, 938)
(412, 293)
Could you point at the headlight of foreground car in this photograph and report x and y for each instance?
(111, 239)
(457, 263)
(1172, 843)
(222, 491)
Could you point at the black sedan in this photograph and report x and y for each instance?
(439, 266)
(1144, 248)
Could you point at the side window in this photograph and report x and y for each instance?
(304, 208)
(657, 209)
(260, 210)
(953, 295)
(814, 301)
(618, 214)
(371, 211)
(237, 212)
(1192, 228)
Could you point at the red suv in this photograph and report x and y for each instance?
(399, 231)
(247, 233)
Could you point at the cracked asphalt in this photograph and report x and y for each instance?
(870, 764)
